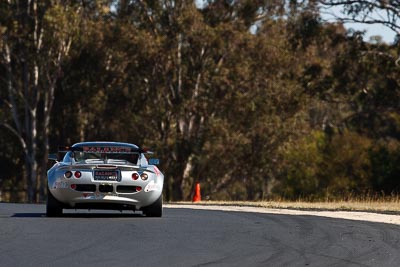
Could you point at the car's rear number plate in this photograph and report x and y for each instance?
(106, 175)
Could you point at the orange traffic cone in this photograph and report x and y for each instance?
(197, 195)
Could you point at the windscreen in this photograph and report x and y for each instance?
(106, 155)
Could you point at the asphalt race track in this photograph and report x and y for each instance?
(186, 237)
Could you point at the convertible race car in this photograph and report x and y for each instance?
(104, 175)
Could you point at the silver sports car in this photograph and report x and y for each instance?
(104, 175)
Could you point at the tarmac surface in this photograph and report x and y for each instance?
(191, 237)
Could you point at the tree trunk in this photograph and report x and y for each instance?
(32, 72)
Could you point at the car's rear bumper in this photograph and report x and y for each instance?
(109, 195)
(109, 200)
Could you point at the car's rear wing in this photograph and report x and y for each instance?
(105, 149)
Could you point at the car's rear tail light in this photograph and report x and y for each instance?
(78, 174)
(138, 188)
(144, 176)
(68, 174)
(135, 176)
(73, 186)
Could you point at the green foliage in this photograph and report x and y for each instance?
(385, 161)
(321, 166)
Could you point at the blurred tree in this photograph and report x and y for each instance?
(36, 40)
(321, 167)
(385, 161)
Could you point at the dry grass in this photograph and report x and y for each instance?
(384, 205)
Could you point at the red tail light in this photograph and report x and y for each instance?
(138, 188)
(78, 174)
(73, 186)
(135, 176)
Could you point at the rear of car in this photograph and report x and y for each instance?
(105, 175)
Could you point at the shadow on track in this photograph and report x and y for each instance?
(28, 215)
(80, 215)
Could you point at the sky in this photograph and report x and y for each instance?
(386, 33)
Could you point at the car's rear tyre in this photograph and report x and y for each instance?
(53, 206)
(155, 209)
